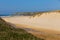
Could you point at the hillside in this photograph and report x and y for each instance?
(23, 14)
(45, 12)
(7, 32)
(32, 13)
(46, 23)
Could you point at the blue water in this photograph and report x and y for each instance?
(5, 14)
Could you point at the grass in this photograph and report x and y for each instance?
(8, 32)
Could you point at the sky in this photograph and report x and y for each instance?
(7, 6)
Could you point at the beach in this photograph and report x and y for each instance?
(49, 22)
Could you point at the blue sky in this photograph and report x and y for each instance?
(29, 5)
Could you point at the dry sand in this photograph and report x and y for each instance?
(46, 22)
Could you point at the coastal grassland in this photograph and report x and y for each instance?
(8, 32)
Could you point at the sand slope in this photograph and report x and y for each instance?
(49, 21)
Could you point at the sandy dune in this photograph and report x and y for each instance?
(46, 21)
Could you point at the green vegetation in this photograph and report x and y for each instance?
(33, 13)
(23, 14)
(7, 32)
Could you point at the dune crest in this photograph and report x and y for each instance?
(49, 20)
